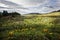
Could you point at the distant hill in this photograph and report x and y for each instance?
(33, 14)
(52, 14)
(58, 11)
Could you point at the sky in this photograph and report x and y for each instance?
(30, 6)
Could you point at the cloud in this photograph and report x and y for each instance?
(28, 3)
(9, 4)
(28, 6)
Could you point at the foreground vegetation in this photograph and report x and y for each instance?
(30, 27)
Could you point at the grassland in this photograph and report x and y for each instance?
(31, 27)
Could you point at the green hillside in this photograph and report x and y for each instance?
(31, 27)
(44, 14)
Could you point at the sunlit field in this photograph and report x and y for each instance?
(30, 27)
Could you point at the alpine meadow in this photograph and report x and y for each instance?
(29, 19)
(30, 26)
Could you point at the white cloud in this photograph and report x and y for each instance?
(29, 3)
(3, 5)
(27, 6)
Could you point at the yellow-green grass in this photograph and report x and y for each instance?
(31, 27)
